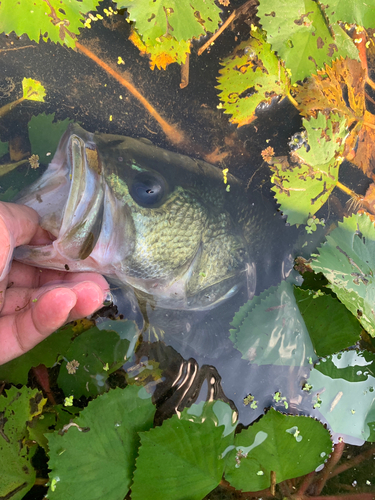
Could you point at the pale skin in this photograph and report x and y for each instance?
(35, 302)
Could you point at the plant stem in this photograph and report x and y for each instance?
(292, 100)
(8, 107)
(345, 496)
(347, 190)
(326, 473)
(174, 135)
(217, 33)
(354, 461)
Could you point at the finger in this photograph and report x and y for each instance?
(90, 296)
(21, 331)
(18, 224)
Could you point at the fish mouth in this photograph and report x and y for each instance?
(69, 198)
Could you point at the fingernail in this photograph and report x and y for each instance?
(108, 299)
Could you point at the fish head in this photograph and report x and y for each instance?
(160, 222)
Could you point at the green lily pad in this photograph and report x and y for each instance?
(344, 387)
(269, 329)
(351, 11)
(33, 90)
(45, 18)
(88, 362)
(188, 450)
(347, 259)
(250, 76)
(288, 446)
(330, 325)
(17, 408)
(299, 34)
(47, 353)
(95, 458)
(45, 134)
(304, 186)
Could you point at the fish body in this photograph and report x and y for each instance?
(157, 221)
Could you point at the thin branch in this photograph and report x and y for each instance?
(218, 33)
(326, 473)
(174, 135)
(354, 461)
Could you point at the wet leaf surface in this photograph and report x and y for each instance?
(16, 409)
(97, 461)
(181, 445)
(288, 446)
(347, 260)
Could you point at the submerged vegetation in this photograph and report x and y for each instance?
(101, 441)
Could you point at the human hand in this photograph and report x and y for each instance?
(32, 305)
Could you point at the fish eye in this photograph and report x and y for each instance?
(148, 190)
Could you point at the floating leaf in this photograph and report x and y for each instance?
(182, 20)
(188, 451)
(347, 259)
(330, 325)
(89, 361)
(95, 458)
(285, 445)
(47, 353)
(45, 134)
(251, 75)
(58, 20)
(351, 11)
(3, 148)
(269, 329)
(298, 32)
(163, 51)
(16, 410)
(344, 383)
(304, 186)
(33, 90)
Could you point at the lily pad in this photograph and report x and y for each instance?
(251, 75)
(189, 454)
(17, 408)
(347, 259)
(95, 458)
(351, 11)
(88, 362)
(304, 186)
(33, 90)
(269, 329)
(299, 34)
(45, 134)
(344, 387)
(48, 19)
(288, 446)
(331, 326)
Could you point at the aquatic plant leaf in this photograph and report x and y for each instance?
(302, 187)
(33, 90)
(344, 386)
(97, 353)
(17, 408)
(331, 326)
(3, 148)
(163, 51)
(298, 32)
(47, 353)
(351, 11)
(45, 134)
(95, 457)
(347, 259)
(182, 20)
(251, 75)
(188, 451)
(326, 90)
(269, 329)
(288, 446)
(57, 20)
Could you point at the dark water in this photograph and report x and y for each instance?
(194, 349)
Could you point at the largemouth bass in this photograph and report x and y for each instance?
(160, 222)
